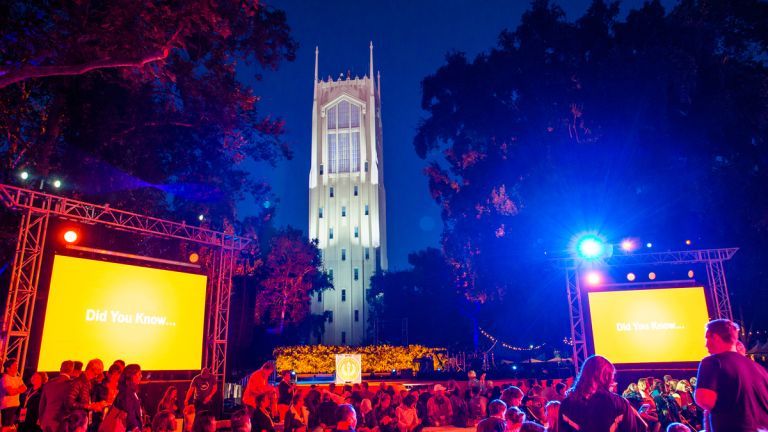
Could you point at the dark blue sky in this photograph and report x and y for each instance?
(410, 41)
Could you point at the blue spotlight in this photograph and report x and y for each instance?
(590, 247)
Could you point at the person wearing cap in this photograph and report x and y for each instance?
(439, 408)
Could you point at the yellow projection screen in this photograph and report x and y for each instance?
(110, 311)
(663, 325)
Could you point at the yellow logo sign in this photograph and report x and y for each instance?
(348, 368)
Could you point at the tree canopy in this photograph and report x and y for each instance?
(139, 104)
(654, 126)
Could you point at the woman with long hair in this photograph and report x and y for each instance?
(590, 406)
(170, 401)
(127, 398)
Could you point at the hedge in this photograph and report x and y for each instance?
(314, 359)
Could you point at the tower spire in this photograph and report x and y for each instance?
(317, 53)
(370, 73)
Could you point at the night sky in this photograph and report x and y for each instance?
(411, 39)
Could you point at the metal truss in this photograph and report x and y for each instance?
(576, 314)
(38, 207)
(713, 260)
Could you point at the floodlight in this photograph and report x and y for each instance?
(590, 247)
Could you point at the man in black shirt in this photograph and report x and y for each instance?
(201, 391)
(495, 421)
(731, 387)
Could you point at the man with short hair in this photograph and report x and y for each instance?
(347, 418)
(731, 387)
(79, 397)
(496, 421)
(53, 401)
(240, 422)
(258, 384)
(201, 390)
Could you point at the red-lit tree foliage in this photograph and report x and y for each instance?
(292, 273)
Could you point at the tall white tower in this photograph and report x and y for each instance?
(346, 198)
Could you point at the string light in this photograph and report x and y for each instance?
(508, 346)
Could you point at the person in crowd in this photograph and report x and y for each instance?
(127, 399)
(30, 408)
(297, 415)
(665, 411)
(496, 421)
(312, 402)
(690, 413)
(11, 387)
(327, 411)
(632, 394)
(560, 388)
(439, 408)
(78, 369)
(677, 427)
(240, 421)
(515, 418)
(53, 399)
(552, 412)
(459, 409)
(258, 384)
(79, 397)
(347, 418)
(120, 364)
(384, 413)
(261, 418)
(647, 408)
(164, 421)
(104, 391)
(530, 426)
(590, 406)
(169, 401)
(421, 408)
(201, 390)
(76, 421)
(407, 418)
(366, 420)
(477, 406)
(285, 392)
(731, 387)
(512, 396)
(534, 405)
(205, 421)
(366, 392)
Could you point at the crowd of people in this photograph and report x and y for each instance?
(95, 400)
(730, 393)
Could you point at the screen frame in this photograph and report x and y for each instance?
(44, 287)
(641, 286)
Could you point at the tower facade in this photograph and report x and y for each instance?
(347, 199)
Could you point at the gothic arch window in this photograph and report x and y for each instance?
(343, 125)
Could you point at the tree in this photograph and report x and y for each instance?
(654, 126)
(140, 104)
(437, 314)
(292, 273)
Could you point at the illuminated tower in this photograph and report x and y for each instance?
(346, 198)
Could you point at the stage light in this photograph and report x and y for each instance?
(649, 245)
(57, 183)
(24, 175)
(651, 275)
(590, 247)
(201, 217)
(70, 236)
(594, 278)
(194, 258)
(688, 242)
(628, 245)
(631, 277)
(514, 367)
(690, 274)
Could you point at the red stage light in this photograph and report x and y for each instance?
(70, 236)
(193, 258)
